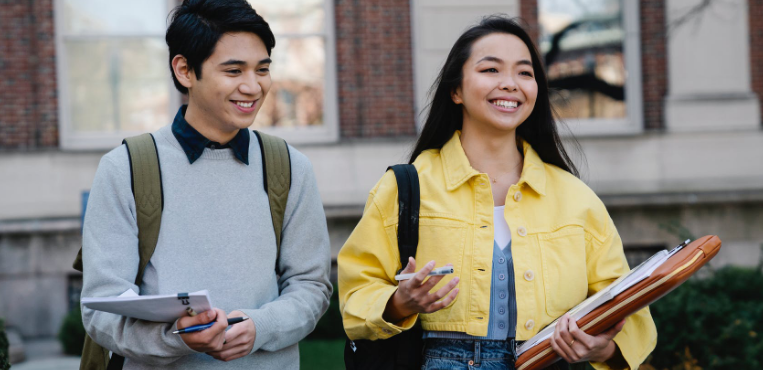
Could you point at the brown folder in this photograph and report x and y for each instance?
(668, 276)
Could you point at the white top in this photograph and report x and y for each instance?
(502, 232)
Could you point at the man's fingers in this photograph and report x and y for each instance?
(203, 318)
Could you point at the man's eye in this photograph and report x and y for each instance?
(234, 71)
(264, 70)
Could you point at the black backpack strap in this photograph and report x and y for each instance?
(409, 198)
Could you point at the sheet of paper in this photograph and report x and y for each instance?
(158, 308)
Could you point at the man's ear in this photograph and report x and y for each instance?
(455, 95)
(182, 71)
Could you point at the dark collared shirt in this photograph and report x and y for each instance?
(193, 142)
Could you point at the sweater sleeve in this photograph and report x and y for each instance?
(304, 265)
(110, 260)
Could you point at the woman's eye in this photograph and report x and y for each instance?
(490, 70)
(526, 73)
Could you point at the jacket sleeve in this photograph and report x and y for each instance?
(367, 265)
(110, 260)
(304, 264)
(606, 262)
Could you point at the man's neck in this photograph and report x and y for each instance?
(206, 126)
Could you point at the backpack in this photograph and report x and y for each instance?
(149, 203)
(402, 351)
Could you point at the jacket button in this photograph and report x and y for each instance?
(522, 231)
(518, 196)
(501, 276)
(529, 324)
(529, 275)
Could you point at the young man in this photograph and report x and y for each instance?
(216, 230)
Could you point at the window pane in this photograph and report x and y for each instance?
(291, 16)
(118, 84)
(296, 97)
(98, 17)
(582, 43)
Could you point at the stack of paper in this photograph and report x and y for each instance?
(158, 308)
(641, 272)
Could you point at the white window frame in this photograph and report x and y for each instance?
(69, 138)
(633, 122)
(328, 132)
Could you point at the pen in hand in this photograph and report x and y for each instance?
(195, 328)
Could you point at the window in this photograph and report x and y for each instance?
(302, 104)
(591, 52)
(113, 76)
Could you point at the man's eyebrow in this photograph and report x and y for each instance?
(233, 62)
(266, 61)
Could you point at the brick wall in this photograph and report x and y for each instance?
(756, 49)
(374, 68)
(653, 61)
(28, 96)
(528, 11)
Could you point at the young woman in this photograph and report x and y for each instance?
(501, 202)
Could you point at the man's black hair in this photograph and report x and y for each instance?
(197, 25)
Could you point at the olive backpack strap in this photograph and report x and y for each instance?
(276, 175)
(145, 172)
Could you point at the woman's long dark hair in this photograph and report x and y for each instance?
(445, 116)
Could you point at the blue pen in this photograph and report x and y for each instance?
(195, 328)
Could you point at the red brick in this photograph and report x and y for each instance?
(756, 49)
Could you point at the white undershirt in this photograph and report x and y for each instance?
(502, 232)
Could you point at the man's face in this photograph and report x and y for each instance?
(234, 82)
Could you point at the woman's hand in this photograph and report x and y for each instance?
(574, 345)
(412, 296)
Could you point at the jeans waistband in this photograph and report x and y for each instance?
(471, 349)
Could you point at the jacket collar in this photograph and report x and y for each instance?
(458, 170)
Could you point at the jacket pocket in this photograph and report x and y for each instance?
(442, 241)
(565, 279)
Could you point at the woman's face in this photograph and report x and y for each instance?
(498, 89)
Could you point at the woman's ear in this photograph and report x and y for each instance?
(455, 95)
(182, 71)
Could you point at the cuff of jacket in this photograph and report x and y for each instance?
(375, 321)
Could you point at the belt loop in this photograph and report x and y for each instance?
(513, 349)
(477, 354)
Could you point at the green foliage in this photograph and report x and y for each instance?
(5, 361)
(712, 323)
(72, 334)
(330, 325)
(321, 354)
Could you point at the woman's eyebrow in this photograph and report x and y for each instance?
(490, 58)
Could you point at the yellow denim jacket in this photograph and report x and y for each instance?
(564, 245)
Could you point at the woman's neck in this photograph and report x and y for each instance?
(496, 155)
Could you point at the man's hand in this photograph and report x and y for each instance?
(412, 296)
(239, 340)
(206, 340)
(574, 345)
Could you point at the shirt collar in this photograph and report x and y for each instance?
(193, 142)
(458, 170)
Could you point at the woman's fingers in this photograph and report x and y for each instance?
(419, 277)
(564, 340)
(441, 304)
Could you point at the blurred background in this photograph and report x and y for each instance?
(664, 97)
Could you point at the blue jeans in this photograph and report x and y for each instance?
(452, 354)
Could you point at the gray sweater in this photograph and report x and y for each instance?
(216, 234)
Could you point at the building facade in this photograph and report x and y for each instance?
(664, 97)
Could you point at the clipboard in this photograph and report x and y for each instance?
(683, 261)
